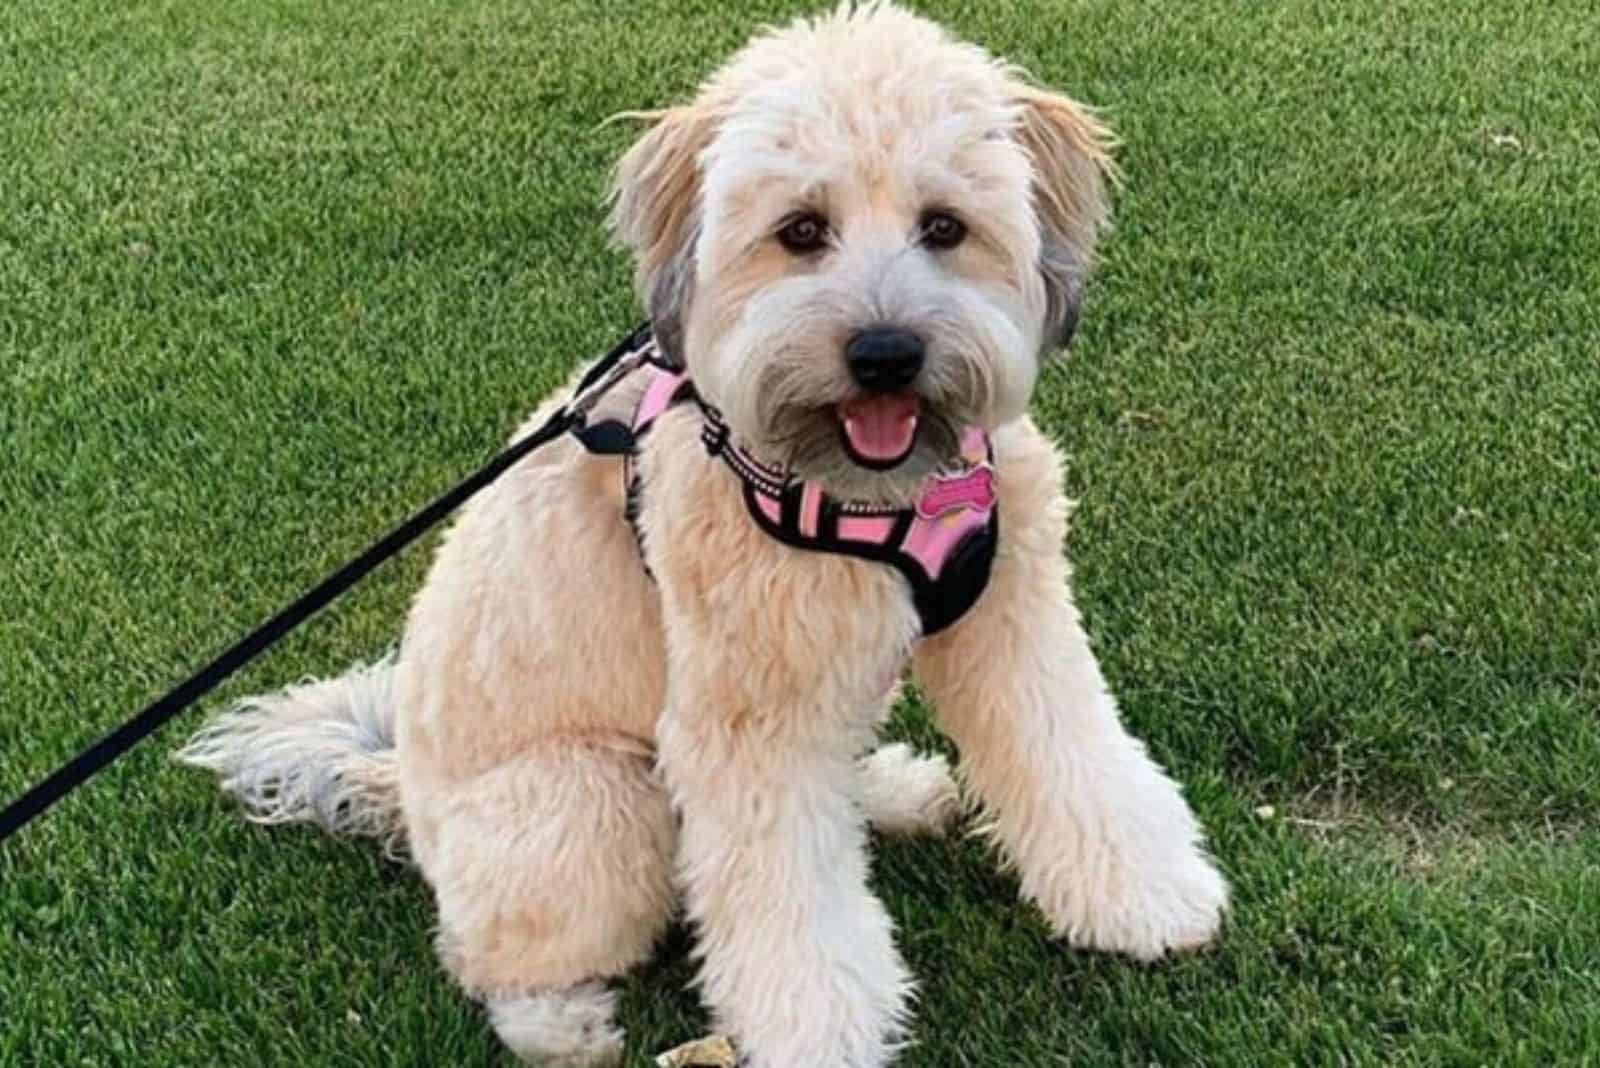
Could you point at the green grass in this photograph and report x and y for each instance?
(273, 273)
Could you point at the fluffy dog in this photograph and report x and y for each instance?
(860, 239)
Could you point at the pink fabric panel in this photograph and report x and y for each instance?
(872, 529)
(931, 540)
(770, 507)
(810, 509)
(657, 395)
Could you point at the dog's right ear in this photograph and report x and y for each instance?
(655, 213)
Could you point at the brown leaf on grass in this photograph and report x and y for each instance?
(714, 1051)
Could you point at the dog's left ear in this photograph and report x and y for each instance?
(655, 213)
(1072, 166)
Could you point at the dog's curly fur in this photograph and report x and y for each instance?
(575, 750)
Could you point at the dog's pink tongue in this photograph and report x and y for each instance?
(881, 426)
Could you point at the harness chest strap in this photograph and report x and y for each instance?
(944, 546)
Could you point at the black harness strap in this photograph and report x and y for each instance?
(77, 770)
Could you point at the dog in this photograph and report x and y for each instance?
(645, 679)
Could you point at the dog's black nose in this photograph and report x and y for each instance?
(884, 359)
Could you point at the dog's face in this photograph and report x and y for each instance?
(862, 237)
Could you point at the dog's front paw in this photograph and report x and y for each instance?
(904, 793)
(570, 1028)
(1172, 906)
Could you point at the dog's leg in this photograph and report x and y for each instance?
(800, 966)
(1101, 837)
(552, 873)
(778, 666)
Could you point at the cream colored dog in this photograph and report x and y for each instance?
(570, 746)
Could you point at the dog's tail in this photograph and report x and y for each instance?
(321, 752)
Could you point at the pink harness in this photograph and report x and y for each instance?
(944, 546)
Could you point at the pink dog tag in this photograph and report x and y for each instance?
(975, 489)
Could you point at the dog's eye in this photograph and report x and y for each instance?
(942, 230)
(804, 233)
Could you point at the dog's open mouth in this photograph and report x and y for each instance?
(880, 429)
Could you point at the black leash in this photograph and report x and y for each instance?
(77, 770)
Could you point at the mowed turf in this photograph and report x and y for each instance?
(272, 274)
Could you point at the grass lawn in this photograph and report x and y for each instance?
(271, 274)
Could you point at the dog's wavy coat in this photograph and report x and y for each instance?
(576, 749)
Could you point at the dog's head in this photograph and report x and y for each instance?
(862, 236)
